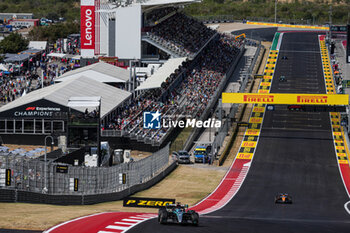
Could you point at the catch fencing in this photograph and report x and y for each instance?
(223, 131)
(235, 19)
(213, 101)
(62, 179)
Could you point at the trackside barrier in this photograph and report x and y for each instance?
(226, 152)
(27, 181)
(223, 131)
(214, 99)
(9, 195)
(211, 19)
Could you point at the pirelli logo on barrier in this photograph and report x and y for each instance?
(312, 99)
(290, 99)
(76, 185)
(8, 177)
(258, 98)
(147, 202)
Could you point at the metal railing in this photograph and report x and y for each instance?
(223, 131)
(28, 175)
(213, 101)
(233, 18)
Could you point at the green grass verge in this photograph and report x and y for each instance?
(180, 140)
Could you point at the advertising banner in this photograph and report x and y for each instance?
(87, 27)
(289, 25)
(147, 202)
(302, 99)
(8, 177)
(41, 109)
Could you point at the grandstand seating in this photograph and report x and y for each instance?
(181, 34)
(190, 98)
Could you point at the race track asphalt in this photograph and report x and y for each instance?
(17, 231)
(295, 154)
(264, 34)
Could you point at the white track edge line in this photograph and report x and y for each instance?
(346, 207)
(230, 166)
(241, 183)
(132, 226)
(73, 220)
(336, 156)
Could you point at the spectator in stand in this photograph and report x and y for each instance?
(193, 95)
(182, 33)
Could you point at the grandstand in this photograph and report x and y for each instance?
(145, 35)
(189, 65)
(190, 87)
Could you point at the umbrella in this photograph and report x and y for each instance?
(30, 153)
(40, 149)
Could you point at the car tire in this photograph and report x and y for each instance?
(195, 219)
(162, 216)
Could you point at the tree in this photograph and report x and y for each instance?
(53, 32)
(13, 43)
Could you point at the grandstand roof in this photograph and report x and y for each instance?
(60, 93)
(166, 2)
(101, 72)
(156, 80)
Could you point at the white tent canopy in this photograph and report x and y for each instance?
(40, 45)
(82, 87)
(156, 80)
(59, 55)
(101, 72)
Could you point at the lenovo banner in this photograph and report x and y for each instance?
(302, 99)
(87, 27)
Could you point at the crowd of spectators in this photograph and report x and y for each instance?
(28, 78)
(191, 98)
(204, 79)
(181, 34)
(13, 87)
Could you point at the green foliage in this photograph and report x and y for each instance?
(52, 9)
(295, 10)
(53, 32)
(13, 43)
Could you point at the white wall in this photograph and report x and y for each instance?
(104, 30)
(128, 32)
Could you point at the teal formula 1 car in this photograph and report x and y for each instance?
(178, 213)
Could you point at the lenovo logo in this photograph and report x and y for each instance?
(87, 27)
